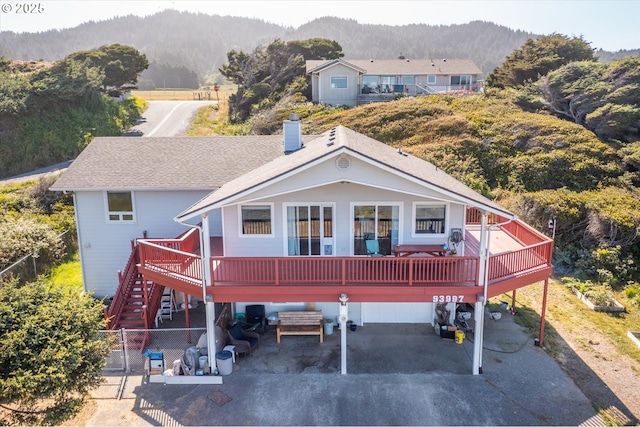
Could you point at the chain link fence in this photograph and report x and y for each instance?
(128, 346)
(27, 268)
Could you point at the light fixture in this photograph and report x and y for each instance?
(343, 299)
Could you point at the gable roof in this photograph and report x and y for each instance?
(402, 66)
(331, 143)
(320, 65)
(194, 163)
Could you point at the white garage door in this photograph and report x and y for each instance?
(397, 312)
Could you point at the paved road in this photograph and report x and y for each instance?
(167, 118)
(161, 119)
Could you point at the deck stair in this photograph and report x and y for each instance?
(128, 309)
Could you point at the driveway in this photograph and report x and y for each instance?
(398, 375)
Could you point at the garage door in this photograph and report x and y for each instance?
(397, 312)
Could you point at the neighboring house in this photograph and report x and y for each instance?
(287, 221)
(341, 82)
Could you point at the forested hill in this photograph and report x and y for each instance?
(200, 42)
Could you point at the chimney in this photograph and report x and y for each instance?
(292, 131)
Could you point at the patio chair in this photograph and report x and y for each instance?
(245, 341)
(256, 317)
(373, 248)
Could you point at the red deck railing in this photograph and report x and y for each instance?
(178, 264)
(179, 258)
(344, 270)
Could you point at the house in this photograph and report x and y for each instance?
(354, 82)
(288, 221)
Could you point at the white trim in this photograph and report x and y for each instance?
(285, 243)
(400, 206)
(259, 236)
(460, 75)
(120, 214)
(447, 210)
(435, 79)
(346, 79)
(230, 200)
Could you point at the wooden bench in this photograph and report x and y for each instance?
(299, 323)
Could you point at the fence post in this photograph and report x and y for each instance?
(125, 349)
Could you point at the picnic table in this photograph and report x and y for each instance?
(410, 249)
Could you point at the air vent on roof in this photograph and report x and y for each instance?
(343, 162)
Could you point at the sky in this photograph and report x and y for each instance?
(609, 25)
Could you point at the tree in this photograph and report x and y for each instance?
(537, 57)
(120, 64)
(604, 98)
(267, 74)
(316, 48)
(51, 353)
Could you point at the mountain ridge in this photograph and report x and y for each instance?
(200, 41)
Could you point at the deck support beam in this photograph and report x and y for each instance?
(482, 300)
(210, 311)
(344, 315)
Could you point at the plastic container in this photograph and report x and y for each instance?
(328, 327)
(459, 336)
(224, 362)
(203, 363)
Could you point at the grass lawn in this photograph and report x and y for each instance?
(564, 307)
(67, 276)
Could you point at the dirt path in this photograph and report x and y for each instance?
(608, 378)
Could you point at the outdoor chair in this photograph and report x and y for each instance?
(256, 317)
(373, 248)
(245, 341)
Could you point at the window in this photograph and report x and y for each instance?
(338, 82)
(120, 206)
(375, 222)
(256, 220)
(370, 84)
(460, 80)
(309, 230)
(408, 80)
(429, 218)
(431, 79)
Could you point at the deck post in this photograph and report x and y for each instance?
(344, 312)
(482, 300)
(543, 311)
(210, 311)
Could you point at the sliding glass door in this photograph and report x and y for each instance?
(309, 230)
(375, 222)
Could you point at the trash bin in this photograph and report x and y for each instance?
(203, 363)
(328, 327)
(224, 362)
(459, 336)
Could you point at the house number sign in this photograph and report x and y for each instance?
(448, 298)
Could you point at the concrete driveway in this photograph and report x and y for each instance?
(398, 375)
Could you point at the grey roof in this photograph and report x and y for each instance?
(167, 163)
(403, 66)
(346, 140)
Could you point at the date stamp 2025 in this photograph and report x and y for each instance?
(22, 8)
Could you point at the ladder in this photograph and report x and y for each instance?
(167, 306)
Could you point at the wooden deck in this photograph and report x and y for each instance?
(519, 256)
